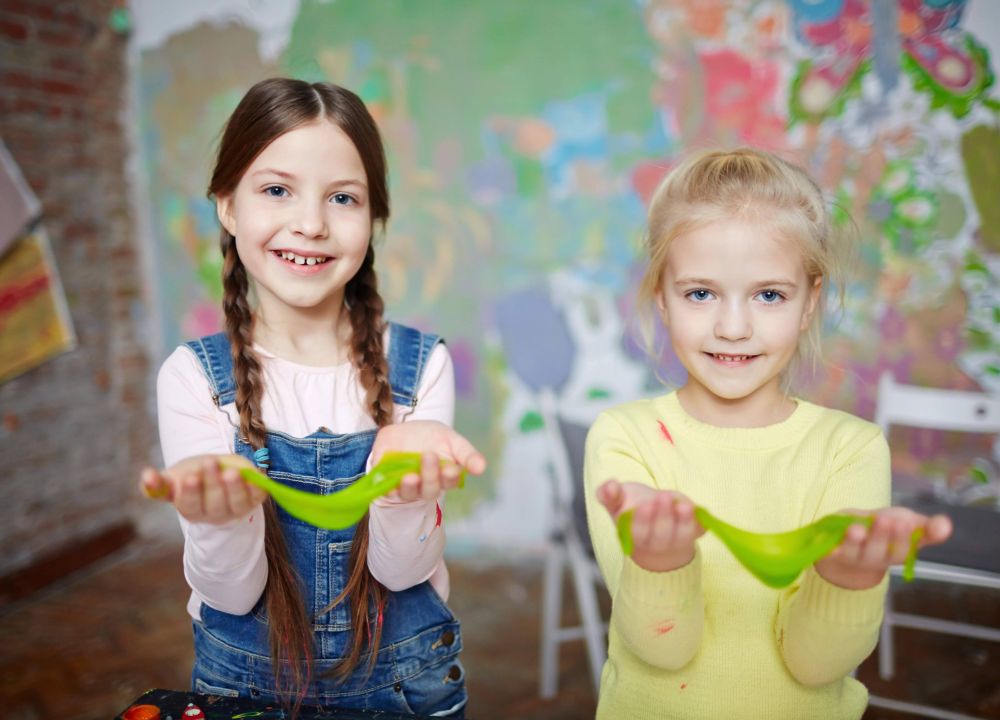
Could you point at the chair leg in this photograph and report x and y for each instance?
(555, 561)
(886, 642)
(590, 615)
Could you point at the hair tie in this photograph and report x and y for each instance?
(262, 457)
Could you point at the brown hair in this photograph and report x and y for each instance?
(762, 188)
(269, 109)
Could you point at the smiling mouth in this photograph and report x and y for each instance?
(721, 357)
(301, 259)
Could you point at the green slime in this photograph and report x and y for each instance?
(776, 559)
(346, 507)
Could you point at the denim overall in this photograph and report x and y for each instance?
(417, 669)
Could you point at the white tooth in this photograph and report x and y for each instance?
(310, 261)
(299, 260)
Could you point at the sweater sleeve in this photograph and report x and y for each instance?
(658, 615)
(224, 564)
(824, 631)
(407, 539)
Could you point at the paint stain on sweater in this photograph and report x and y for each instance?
(666, 433)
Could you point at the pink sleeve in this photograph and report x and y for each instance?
(406, 542)
(224, 564)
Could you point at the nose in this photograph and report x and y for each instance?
(734, 321)
(310, 220)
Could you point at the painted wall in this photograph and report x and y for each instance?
(524, 140)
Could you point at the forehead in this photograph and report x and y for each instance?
(735, 249)
(316, 148)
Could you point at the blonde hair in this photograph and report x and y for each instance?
(757, 187)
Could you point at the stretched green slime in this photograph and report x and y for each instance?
(776, 559)
(344, 508)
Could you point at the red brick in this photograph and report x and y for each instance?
(14, 30)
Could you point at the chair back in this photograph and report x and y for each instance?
(936, 408)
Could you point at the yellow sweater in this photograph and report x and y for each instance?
(709, 640)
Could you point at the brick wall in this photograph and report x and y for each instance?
(74, 429)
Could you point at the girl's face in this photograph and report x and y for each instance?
(301, 219)
(735, 299)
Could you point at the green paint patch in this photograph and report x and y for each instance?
(598, 394)
(531, 421)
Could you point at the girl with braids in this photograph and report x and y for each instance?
(310, 384)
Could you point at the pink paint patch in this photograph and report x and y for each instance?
(438, 522)
(683, 685)
(663, 628)
(666, 433)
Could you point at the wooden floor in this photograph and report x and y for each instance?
(82, 650)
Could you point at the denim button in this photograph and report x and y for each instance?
(447, 638)
(398, 687)
(455, 672)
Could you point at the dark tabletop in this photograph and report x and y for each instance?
(975, 540)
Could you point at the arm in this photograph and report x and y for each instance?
(823, 630)
(407, 538)
(224, 563)
(658, 615)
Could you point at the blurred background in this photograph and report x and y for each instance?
(524, 140)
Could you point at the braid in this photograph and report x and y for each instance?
(367, 327)
(290, 633)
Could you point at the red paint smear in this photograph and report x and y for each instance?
(438, 523)
(664, 628)
(683, 685)
(666, 433)
(15, 295)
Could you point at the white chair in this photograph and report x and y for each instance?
(569, 548)
(972, 555)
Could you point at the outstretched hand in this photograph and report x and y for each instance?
(436, 442)
(205, 488)
(663, 525)
(861, 560)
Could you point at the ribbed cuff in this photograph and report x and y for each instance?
(823, 599)
(658, 588)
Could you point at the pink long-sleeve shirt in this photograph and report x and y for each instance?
(225, 564)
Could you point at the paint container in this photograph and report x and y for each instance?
(142, 712)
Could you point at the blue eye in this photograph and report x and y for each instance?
(342, 199)
(275, 191)
(770, 296)
(700, 295)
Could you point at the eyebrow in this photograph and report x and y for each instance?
(289, 176)
(707, 281)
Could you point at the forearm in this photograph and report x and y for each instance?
(660, 615)
(824, 631)
(225, 565)
(406, 541)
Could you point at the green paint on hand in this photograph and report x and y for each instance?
(625, 531)
(911, 557)
(346, 507)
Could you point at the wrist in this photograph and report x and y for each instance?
(663, 562)
(849, 578)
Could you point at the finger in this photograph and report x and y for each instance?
(237, 492)
(610, 495)
(430, 476)
(687, 528)
(154, 485)
(663, 527)
(875, 549)
(214, 492)
(188, 499)
(937, 530)
(644, 523)
(465, 454)
(409, 487)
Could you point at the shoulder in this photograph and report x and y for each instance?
(628, 419)
(846, 434)
(181, 363)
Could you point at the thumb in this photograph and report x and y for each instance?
(611, 496)
(465, 454)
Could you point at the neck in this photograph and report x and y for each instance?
(317, 336)
(767, 406)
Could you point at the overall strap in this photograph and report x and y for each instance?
(214, 354)
(408, 352)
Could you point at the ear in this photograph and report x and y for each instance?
(224, 211)
(815, 293)
(661, 307)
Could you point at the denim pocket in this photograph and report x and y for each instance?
(330, 582)
(437, 691)
(202, 687)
